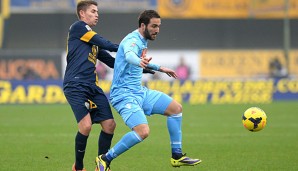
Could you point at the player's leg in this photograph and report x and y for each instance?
(174, 120)
(173, 110)
(106, 136)
(105, 140)
(102, 114)
(157, 102)
(130, 139)
(135, 119)
(81, 138)
(72, 92)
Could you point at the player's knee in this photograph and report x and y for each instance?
(108, 126)
(178, 108)
(173, 108)
(144, 134)
(112, 126)
(85, 127)
(142, 130)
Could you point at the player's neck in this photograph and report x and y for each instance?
(141, 33)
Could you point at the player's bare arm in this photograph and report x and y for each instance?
(169, 72)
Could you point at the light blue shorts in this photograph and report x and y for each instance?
(134, 107)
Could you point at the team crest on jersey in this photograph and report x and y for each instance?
(88, 27)
(133, 44)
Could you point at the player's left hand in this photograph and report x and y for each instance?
(169, 72)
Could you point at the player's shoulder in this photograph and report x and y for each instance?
(132, 37)
(80, 26)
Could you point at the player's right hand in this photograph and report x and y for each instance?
(145, 61)
(169, 72)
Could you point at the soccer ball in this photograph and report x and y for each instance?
(254, 119)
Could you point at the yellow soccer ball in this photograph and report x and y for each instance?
(254, 119)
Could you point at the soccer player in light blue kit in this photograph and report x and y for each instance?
(134, 101)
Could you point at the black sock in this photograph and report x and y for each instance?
(177, 156)
(104, 158)
(80, 146)
(104, 142)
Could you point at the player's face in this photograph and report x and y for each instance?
(152, 29)
(90, 16)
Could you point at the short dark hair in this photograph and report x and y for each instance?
(146, 15)
(83, 5)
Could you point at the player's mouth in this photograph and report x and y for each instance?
(154, 35)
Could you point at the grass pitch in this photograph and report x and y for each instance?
(41, 137)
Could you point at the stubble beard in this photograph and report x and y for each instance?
(147, 35)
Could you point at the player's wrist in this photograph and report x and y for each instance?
(154, 66)
(161, 69)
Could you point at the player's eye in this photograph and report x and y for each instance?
(155, 26)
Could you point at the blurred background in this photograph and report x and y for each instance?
(224, 51)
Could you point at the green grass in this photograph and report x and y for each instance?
(41, 137)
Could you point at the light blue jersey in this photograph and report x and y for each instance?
(134, 102)
(128, 77)
(127, 95)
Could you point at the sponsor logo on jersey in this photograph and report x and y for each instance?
(88, 28)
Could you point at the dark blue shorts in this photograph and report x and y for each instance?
(84, 98)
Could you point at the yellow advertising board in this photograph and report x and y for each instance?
(273, 8)
(226, 8)
(243, 63)
(202, 91)
(4, 14)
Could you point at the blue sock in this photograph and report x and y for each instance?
(80, 146)
(174, 128)
(127, 141)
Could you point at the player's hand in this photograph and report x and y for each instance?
(145, 61)
(169, 72)
(148, 59)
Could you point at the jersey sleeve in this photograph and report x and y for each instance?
(109, 60)
(102, 42)
(131, 46)
(83, 32)
(79, 30)
(106, 58)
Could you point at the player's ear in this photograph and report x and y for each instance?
(143, 26)
(81, 12)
